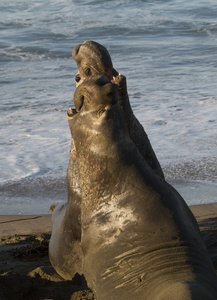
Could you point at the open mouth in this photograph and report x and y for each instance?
(71, 112)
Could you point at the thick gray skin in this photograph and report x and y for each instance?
(139, 238)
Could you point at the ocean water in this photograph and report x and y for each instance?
(166, 49)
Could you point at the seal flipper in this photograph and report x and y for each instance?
(65, 251)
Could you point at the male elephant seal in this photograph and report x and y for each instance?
(65, 248)
(93, 59)
(139, 238)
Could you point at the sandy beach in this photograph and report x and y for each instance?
(25, 270)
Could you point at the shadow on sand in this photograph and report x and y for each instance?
(26, 273)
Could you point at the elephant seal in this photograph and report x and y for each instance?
(139, 238)
(65, 243)
(65, 252)
(93, 59)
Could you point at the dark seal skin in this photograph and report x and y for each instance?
(139, 238)
(93, 59)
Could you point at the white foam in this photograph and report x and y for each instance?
(168, 57)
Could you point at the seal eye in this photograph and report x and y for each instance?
(88, 71)
(101, 112)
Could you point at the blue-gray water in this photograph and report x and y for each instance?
(166, 49)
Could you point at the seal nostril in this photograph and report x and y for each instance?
(87, 71)
(77, 49)
(77, 78)
(79, 103)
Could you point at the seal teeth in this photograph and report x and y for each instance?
(71, 112)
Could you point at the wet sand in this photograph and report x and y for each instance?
(25, 270)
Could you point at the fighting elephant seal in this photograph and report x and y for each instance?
(64, 247)
(94, 59)
(139, 238)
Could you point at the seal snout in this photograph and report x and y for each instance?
(96, 93)
(75, 51)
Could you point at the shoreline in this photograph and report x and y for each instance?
(18, 198)
(25, 269)
(41, 223)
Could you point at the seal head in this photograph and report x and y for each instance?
(92, 59)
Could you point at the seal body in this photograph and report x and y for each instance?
(64, 247)
(65, 244)
(139, 238)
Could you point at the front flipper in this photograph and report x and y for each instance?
(65, 252)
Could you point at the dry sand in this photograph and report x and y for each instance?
(25, 270)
